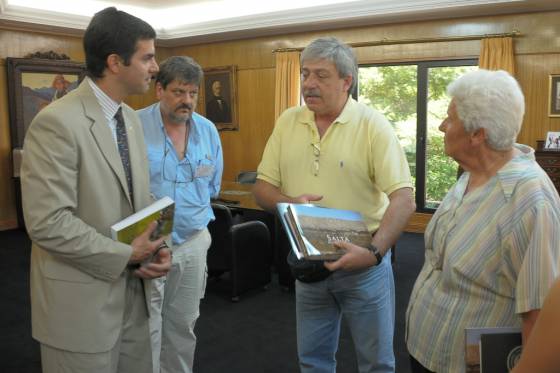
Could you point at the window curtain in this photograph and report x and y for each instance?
(497, 54)
(287, 81)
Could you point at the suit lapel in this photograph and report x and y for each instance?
(102, 135)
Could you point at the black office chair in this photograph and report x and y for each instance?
(241, 249)
(247, 177)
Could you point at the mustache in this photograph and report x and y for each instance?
(184, 106)
(311, 93)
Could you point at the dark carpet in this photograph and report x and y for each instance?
(255, 335)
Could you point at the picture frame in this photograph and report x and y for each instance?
(33, 83)
(554, 95)
(552, 141)
(219, 97)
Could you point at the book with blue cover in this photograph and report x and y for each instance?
(312, 230)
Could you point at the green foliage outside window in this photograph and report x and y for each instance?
(392, 90)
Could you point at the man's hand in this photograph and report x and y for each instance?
(268, 195)
(356, 257)
(157, 267)
(142, 247)
(307, 198)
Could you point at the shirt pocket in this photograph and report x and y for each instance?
(155, 159)
(204, 170)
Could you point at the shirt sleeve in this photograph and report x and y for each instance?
(388, 161)
(215, 183)
(541, 260)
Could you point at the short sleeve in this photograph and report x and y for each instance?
(388, 161)
(541, 260)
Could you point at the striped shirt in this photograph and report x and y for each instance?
(491, 255)
(109, 107)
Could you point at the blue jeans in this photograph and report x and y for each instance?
(367, 300)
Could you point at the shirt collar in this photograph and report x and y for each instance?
(510, 173)
(306, 116)
(507, 177)
(108, 105)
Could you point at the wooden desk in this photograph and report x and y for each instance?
(241, 193)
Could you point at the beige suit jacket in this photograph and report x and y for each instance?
(74, 188)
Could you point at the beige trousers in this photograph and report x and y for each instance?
(175, 303)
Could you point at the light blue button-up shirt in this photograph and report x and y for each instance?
(192, 181)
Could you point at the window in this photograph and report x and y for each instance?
(413, 97)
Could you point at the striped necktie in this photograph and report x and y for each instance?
(122, 142)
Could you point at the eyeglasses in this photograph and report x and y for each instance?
(180, 174)
(316, 153)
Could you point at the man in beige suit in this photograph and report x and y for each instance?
(89, 309)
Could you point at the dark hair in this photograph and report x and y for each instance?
(113, 31)
(181, 68)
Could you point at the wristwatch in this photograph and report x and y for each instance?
(375, 251)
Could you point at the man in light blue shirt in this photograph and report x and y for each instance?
(186, 164)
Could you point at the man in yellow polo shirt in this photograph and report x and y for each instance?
(338, 153)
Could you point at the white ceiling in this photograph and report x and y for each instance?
(195, 21)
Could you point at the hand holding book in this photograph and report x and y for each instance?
(307, 198)
(158, 266)
(143, 247)
(355, 257)
(145, 232)
(314, 233)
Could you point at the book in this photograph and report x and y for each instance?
(492, 349)
(131, 227)
(312, 230)
(499, 352)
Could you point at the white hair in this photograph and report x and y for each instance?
(492, 100)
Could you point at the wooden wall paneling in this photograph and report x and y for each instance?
(246, 54)
(533, 72)
(418, 52)
(418, 222)
(243, 149)
(20, 43)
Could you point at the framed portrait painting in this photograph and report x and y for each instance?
(34, 83)
(220, 97)
(554, 96)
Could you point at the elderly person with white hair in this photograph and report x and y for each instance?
(492, 247)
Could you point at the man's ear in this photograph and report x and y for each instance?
(159, 90)
(114, 62)
(347, 84)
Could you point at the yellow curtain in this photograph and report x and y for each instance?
(287, 81)
(497, 54)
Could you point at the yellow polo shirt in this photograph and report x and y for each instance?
(355, 166)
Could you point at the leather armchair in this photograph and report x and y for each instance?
(241, 249)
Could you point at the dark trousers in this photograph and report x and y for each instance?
(416, 367)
